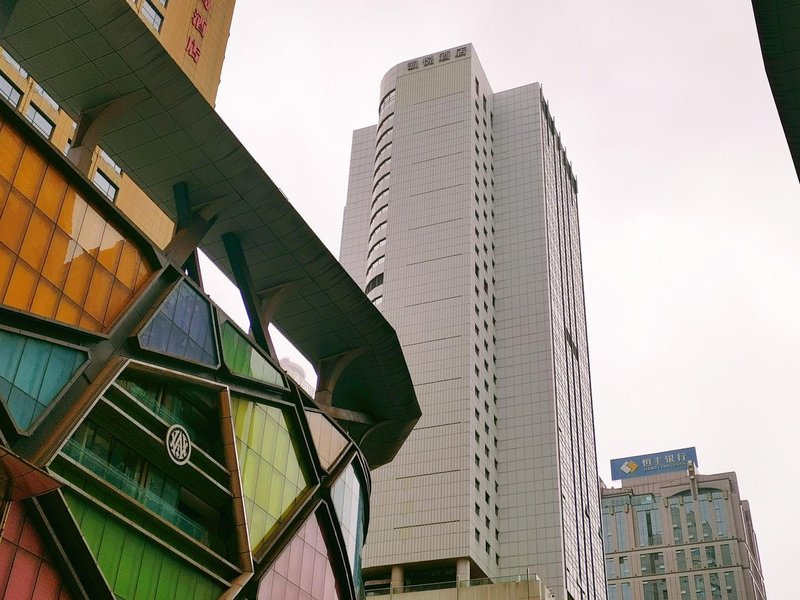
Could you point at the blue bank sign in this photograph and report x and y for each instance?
(671, 461)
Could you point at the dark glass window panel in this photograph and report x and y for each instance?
(183, 327)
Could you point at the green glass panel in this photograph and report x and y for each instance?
(348, 503)
(269, 459)
(32, 373)
(242, 358)
(134, 566)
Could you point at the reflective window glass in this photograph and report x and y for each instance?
(328, 441)
(183, 327)
(32, 373)
(9, 91)
(151, 15)
(105, 185)
(270, 463)
(59, 258)
(242, 358)
(303, 570)
(39, 120)
(700, 587)
(655, 589)
(716, 590)
(730, 585)
(349, 504)
(686, 591)
(727, 559)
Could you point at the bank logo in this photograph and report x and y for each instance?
(179, 446)
(629, 467)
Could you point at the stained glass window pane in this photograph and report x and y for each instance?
(242, 358)
(303, 569)
(32, 373)
(349, 505)
(327, 439)
(270, 465)
(183, 327)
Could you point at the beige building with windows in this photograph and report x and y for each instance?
(672, 536)
(195, 35)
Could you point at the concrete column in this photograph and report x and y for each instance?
(397, 576)
(462, 570)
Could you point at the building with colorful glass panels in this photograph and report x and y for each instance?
(151, 448)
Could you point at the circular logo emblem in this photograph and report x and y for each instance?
(179, 446)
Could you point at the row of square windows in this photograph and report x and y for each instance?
(44, 125)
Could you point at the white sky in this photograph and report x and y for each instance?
(688, 199)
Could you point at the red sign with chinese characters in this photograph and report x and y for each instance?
(199, 22)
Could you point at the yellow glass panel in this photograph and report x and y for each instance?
(51, 195)
(71, 217)
(110, 249)
(11, 147)
(120, 295)
(142, 275)
(80, 273)
(68, 311)
(21, 287)
(14, 220)
(99, 292)
(91, 233)
(37, 240)
(7, 259)
(89, 323)
(128, 266)
(4, 189)
(45, 300)
(30, 173)
(59, 257)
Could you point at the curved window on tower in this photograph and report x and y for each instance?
(377, 264)
(376, 249)
(378, 197)
(381, 212)
(373, 283)
(387, 120)
(384, 164)
(383, 136)
(382, 152)
(380, 228)
(383, 180)
(388, 99)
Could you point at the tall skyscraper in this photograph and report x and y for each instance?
(670, 532)
(462, 225)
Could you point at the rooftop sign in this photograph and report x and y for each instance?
(671, 461)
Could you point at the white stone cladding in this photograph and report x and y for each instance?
(480, 275)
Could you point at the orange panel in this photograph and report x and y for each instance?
(14, 220)
(37, 240)
(80, 273)
(110, 249)
(68, 311)
(59, 257)
(89, 323)
(11, 146)
(21, 287)
(99, 292)
(128, 266)
(45, 300)
(120, 295)
(142, 275)
(51, 194)
(7, 259)
(30, 173)
(71, 217)
(4, 188)
(91, 231)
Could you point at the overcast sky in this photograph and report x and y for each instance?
(689, 204)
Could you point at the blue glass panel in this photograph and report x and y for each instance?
(32, 373)
(182, 327)
(349, 505)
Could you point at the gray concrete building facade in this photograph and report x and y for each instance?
(461, 224)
